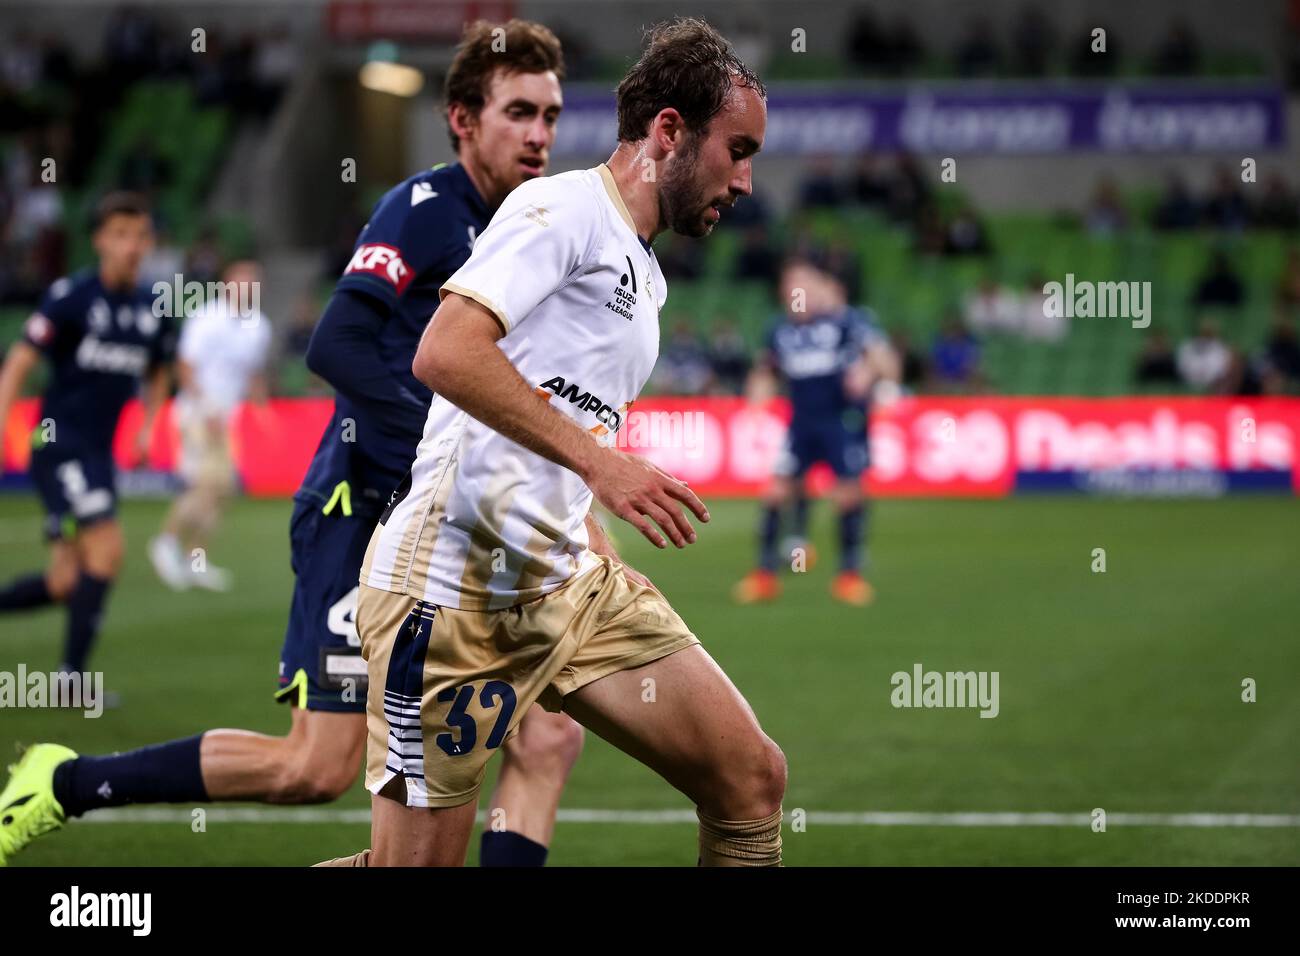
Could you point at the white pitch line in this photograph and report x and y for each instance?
(659, 817)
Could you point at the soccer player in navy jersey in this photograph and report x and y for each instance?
(503, 100)
(101, 338)
(830, 355)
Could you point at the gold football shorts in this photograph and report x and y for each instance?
(448, 687)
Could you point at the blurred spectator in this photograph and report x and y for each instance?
(931, 236)
(1032, 42)
(904, 51)
(757, 259)
(1288, 284)
(870, 185)
(819, 188)
(20, 63)
(1219, 285)
(868, 44)
(914, 372)
(1226, 208)
(302, 322)
(1179, 53)
(204, 260)
(131, 43)
(749, 38)
(1157, 365)
(1279, 209)
(1241, 378)
(274, 65)
(977, 51)
(1037, 323)
(728, 358)
(966, 235)
(909, 190)
(683, 367)
(1177, 209)
(1203, 360)
(954, 359)
(991, 307)
(1106, 214)
(1282, 350)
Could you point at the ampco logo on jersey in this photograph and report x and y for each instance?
(75, 909)
(605, 413)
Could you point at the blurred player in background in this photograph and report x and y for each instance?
(830, 355)
(502, 105)
(98, 332)
(488, 586)
(221, 361)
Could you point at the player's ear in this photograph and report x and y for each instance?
(462, 120)
(667, 133)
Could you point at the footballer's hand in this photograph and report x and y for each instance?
(140, 448)
(635, 490)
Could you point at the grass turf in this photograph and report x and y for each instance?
(1119, 690)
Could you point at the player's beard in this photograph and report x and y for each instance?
(682, 201)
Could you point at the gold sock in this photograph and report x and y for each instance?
(740, 842)
(356, 859)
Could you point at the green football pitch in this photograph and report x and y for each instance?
(1120, 691)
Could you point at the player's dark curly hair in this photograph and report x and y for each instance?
(522, 47)
(687, 66)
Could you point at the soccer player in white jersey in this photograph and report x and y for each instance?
(221, 361)
(488, 586)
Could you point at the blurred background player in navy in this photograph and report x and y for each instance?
(830, 355)
(98, 332)
(502, 105)
(220, 361)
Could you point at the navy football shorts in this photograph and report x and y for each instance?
(75, 485)
(320, 664)
(843, 448)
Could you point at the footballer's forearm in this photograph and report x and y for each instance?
(18, 364)
(459, 359)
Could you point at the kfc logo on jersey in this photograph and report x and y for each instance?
(40, 330)
(377, 259)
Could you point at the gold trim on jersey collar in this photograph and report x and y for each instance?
(615, 197)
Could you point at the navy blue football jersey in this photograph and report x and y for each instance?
(99, 342)
(419, 233)
(813, 356)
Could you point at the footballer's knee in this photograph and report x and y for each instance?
(61, 579)
(750, 784)
(101, 548)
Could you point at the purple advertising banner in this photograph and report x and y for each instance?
(1146, 119)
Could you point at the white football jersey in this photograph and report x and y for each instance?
(484, 523)
(225, 350)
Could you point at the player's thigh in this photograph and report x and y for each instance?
(100, 547)
(684, 718)
(419, 836)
